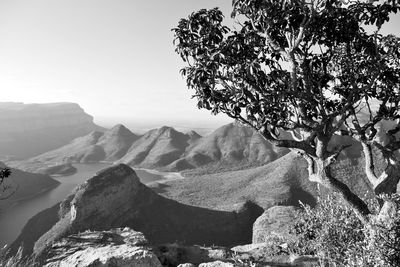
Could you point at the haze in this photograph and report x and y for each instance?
(114, 58)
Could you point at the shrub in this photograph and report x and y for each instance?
(332, 232)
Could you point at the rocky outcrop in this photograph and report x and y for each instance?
(31, 129)
(126, 247)
(116, 198)
(274, 222)
(117, 247)
(94, 147)
(216, 264)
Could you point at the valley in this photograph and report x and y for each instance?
(186, 188)
(15, 216)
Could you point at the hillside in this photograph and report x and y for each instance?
(281, 182)
(158, 148)
(229, 147)
(32, 129)
(27, 185)
(95, 206)
(94, 147)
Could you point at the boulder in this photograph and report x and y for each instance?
(274, 223)
(216, 264)
(117, 247)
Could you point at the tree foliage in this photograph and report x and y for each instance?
(4, 189)
(304, 67)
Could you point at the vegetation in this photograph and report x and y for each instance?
(4, 188)
(332, 232)
(307, 68)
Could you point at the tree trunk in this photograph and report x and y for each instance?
(320, 172)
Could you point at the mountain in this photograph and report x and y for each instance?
(229, 147)
(26, 184)
(95, 205)
(159, 148)
(31, 129)
(94, 147)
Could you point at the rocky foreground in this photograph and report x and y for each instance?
(114, 220)
(125, 247)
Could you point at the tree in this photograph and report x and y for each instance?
(306, 67)
(4, 189)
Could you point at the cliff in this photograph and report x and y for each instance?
(116, 198)
(31, 129)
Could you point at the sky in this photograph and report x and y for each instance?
(113, 57)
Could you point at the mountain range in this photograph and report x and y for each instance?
(224, 172)
(229, 147)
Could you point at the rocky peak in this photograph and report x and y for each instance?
(117, 247)
(95, 198)
(119, 130)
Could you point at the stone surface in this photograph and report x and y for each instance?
(186, 265)
(118, 247)
(175, 254)
(274, 223)
(216, 264)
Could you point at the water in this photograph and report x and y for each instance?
(13, 219)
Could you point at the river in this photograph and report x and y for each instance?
(13, 219)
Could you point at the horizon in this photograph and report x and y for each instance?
(115, 59)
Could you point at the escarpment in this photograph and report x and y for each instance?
(115, 198)
(32, 129)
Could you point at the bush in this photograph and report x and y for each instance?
(332, 232)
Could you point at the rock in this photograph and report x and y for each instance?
(186, 265)
(216, 264)
(175, 254)
(117, 247)
(274, 223)
(262, 252)
(305, 261)
(115, 198)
